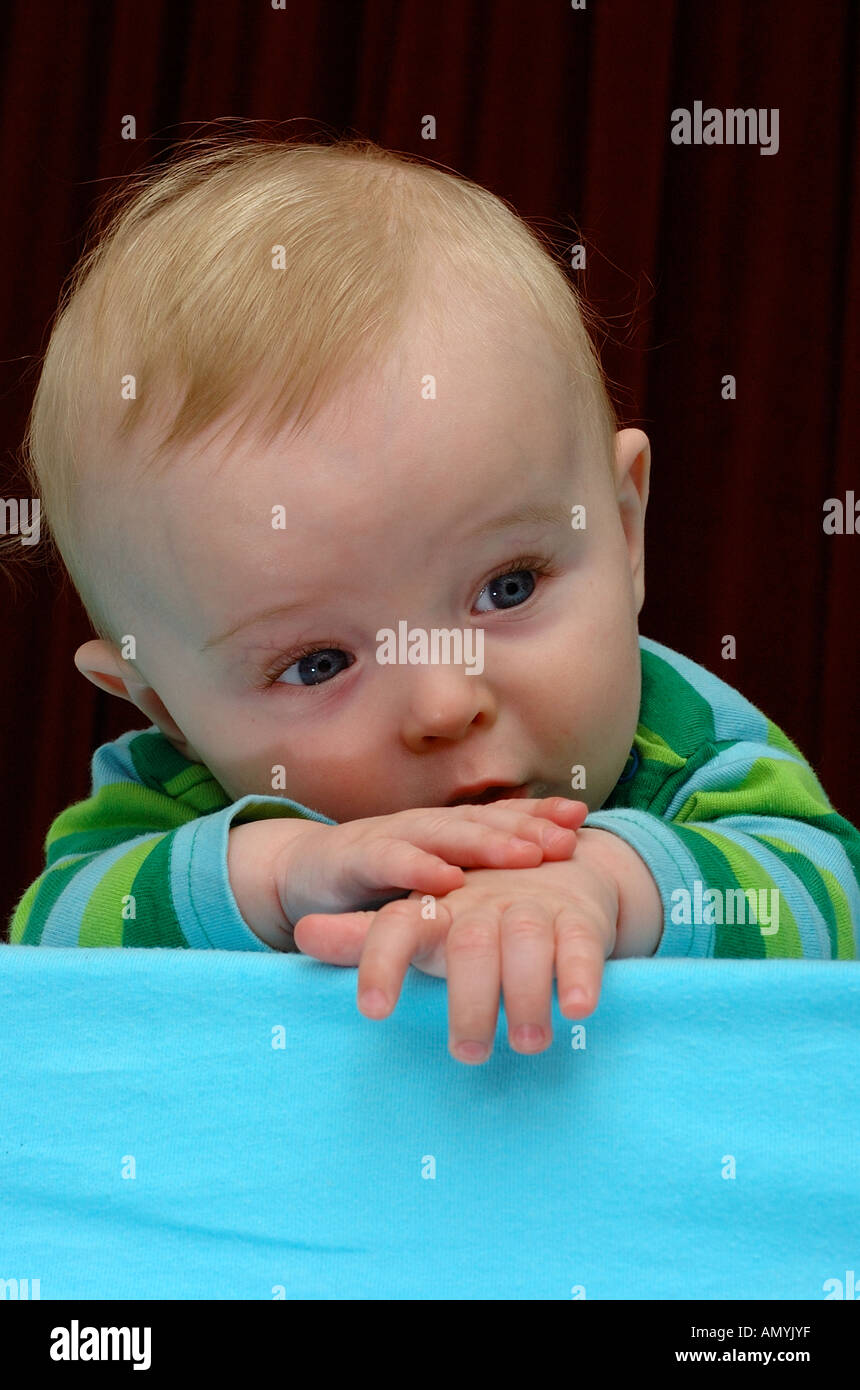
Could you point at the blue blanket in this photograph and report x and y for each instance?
(206, 1124)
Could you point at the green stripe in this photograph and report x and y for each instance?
(155, 759)
(769, 788)
(740, 941)
(159, 765)
(685, 717)
(119, 806)
(95, 841)
(778, 739)
(827, 894)
(655, 749)
(656, 758)
(197, 788)
(20, 916)
(155, 922)
(747, 872)
(668, 787)
(40, 898)
(103, 922)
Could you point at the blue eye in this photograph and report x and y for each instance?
(510, 589)
(324, 662)
(313, 666)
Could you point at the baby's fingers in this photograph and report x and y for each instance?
(528, 957)
(529, 816)
(334, 937)
(385, 864)
(561, 809)
(397, 933)
(474, 982)
(549, 824)
(580, 953)
(501, 835)
(436, 864)
(504, 840)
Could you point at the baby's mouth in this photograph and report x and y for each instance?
(491, 794)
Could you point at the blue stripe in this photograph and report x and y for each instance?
(200, 887)
(712, 776)
(112, 762)
(811, 924)
(200, 883)
(822, 848)
(735, 717)
(64, 921)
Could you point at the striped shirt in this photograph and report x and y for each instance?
(750, 858)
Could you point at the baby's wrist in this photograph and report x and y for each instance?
(255, 854)
(640, 907)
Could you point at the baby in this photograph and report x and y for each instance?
(315, 422)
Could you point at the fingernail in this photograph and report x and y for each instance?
(528, 1035)
(472, 1051)
(577, 999)
(372, 1001)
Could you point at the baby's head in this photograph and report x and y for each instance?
(301, 394)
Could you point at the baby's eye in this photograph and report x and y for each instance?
(324, 662)
(509, 589)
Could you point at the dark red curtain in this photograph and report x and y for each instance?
(705, 260)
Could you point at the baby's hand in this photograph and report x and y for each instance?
(512, 929)
(363, 863)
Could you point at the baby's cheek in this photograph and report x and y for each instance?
(246, 775)
(603, 728)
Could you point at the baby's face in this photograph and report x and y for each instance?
(400, 509)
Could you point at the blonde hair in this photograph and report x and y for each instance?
(180, 288)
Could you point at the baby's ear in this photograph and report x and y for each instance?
(632, 475)
(102, 664)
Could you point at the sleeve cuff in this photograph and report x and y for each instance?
(205, 903)
(672, 867)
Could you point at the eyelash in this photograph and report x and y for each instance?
(533, 563)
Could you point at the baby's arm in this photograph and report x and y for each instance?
(128, 867)
(749, 835)
(137, 864)
(744, 815)
(278, 880)
(143, 860)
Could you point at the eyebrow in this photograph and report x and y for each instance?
(534, 514)
(278, 610)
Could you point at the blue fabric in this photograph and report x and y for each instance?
(261, 1169)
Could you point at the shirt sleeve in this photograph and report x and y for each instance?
(134, 866)
(750, 858)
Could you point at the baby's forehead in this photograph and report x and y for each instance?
(443, 408)
(454, 374)
(376, 533)
(447, 432)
